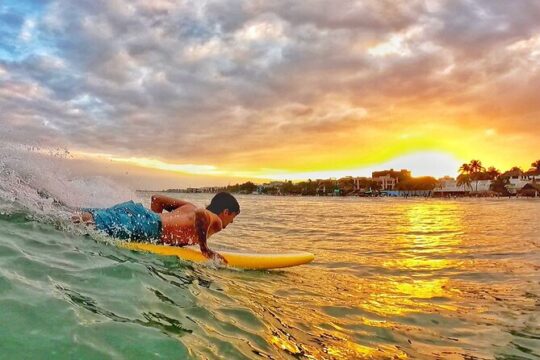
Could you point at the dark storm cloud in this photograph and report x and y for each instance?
(158, 79)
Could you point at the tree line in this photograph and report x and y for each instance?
(469, 175)
(343, 186)
(472, 172)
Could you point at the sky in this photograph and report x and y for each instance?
(178, 93)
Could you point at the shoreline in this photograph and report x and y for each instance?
(348, 196)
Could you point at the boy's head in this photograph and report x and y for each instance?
(225, 206)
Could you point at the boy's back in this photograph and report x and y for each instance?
(179, 227)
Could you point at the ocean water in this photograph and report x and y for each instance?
(393, 278)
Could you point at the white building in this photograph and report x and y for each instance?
(517, 179)
(481, 185)
(386, 182)
(388, 179)
(514, 185)
(448, 187)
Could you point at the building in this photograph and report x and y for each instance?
(361, 183)
(402, 174)
(211, 189)
(448, 187)
(273, 187)
(481, 186)
(517, 179)
(388, 179)
(386, 182)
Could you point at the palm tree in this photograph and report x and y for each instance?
(536, 165)
(499, 186)
(465, 169)
(465, 180)
(475, 168)
(516, 169)
(493, 173)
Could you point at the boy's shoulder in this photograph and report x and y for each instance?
(186, 208)
(211, 216)
(215, 221)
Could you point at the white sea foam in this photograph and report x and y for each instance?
(38, 180)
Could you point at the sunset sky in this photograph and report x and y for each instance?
(177, 93)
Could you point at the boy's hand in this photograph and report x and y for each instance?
(215, 256)
(220, 258)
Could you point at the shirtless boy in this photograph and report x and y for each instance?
(181, 224)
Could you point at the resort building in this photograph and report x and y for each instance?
(448, 187)
(274, 186)
(516, 179)
(388, 179)
(481, 186)
(386, 182)
(360, 183)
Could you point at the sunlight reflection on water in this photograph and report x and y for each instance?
(403, 278)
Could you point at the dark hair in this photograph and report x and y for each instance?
(222, 201)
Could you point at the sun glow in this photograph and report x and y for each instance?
(436, 164)
(432, 163)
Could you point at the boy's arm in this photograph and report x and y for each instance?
(202, 222)
(160, 203)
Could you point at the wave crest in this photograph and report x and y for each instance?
(38, 181)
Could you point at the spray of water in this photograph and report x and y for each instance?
(38, 182)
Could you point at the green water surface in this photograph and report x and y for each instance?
(393, 278)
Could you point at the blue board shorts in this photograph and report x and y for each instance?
(128, 220)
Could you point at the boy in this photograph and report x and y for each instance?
(182, 223)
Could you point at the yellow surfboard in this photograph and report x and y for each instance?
(248, 261)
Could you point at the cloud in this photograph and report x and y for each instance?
(231, 82)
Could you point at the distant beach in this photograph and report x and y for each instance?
(474, 181)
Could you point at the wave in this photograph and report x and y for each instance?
(38, 182)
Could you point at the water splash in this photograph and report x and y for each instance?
(38, 181)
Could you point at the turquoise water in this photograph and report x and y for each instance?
(401, 278)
